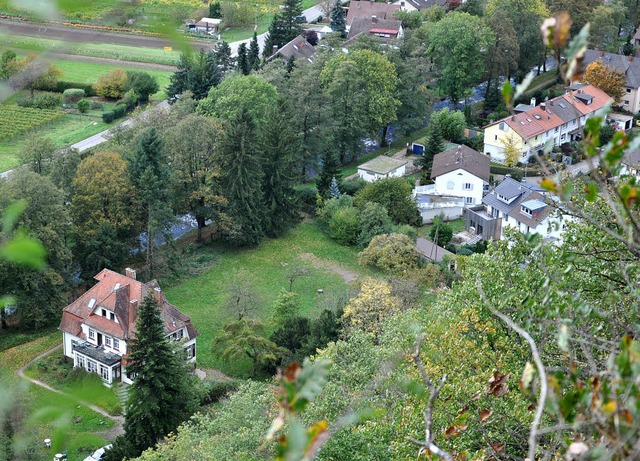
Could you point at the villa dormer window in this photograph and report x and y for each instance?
(526, 210)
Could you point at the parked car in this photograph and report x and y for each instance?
(98, 454)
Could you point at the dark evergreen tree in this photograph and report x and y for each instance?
(282, 149)
(330, 169)
(223, 57)
(434, 146)
(253, 55)
(243, 59)
(242, 167)
(291, 64)
(339, 20)
(204, 74)
(163, 394)
(214, 10)
(179, 80)
(149, 170)
(285, 26)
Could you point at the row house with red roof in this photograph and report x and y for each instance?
(98, 327)
(555, 121)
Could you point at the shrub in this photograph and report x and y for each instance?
(374, 220)
(213, 391)
(84, 105)
(61, 86)
(407, 230)
(308, 196)
(352, 186)
(47, 101)
(95, 105)
(451, 123)
(443, 230)
(606, 133)
(112, 85)
(73, 95)
(120, 110)
(344, 226)
(130, 99)
(394, 253)
(142, 83)
(395, 195)
(108, 117)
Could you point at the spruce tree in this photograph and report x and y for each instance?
(243, 60)
(434, 146)
(149, 170)
(243, 178)
(215, 11)
(285, 26)
(204, 74)
(179, 80)
(223, 57)
(339, 20)
(330, 169)
(254, 53)
(334, 190)
(163, 394)
(281, 146)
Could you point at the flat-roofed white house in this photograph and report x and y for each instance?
(461, 172)
(382, 167)
(98, 327)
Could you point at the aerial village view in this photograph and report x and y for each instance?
(334, 230)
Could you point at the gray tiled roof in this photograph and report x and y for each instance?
(299, 48)
(523, 193)
(360, 25)
(631, 69)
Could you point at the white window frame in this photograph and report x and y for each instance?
(80, 361)
(92, 367)
(107, 341)
(92, 333)
(469, 200)
(116, 344)
(104, 372)
(467, 186)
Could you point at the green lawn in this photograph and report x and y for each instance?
(457, 225)
(89, 72)
(63, 132)
(264, 270)
(45, 408)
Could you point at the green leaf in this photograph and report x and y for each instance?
(24, 250)
(11, 215)
(592, 191)
(507, 91)
(310, 382)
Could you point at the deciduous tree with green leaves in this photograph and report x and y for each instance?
(458, 45)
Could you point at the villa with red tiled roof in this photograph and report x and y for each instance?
(98, 327)
(556, 121)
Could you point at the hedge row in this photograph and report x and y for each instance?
(119, 111)
(62, 85)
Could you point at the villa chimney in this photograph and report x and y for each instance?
(274, 49)
(533, 102)
(131, 273)
(374, 19)
(543, 106)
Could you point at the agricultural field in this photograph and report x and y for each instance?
(98, 50)
(15, 120)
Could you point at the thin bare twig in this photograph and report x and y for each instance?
(533, 434)
(434, 392)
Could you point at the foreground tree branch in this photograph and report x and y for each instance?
(434, 392)
(533, 433)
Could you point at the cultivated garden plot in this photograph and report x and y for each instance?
(15, 120)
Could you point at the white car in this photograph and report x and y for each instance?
(98, 454)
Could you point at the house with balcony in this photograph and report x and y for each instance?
(519, 205)
(98, 327)
(555, 121)
(462, 172)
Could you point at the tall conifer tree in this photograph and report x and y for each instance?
(242, 166)
(243, 59)
(339, 19)
(254, 53)
(163, 392)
